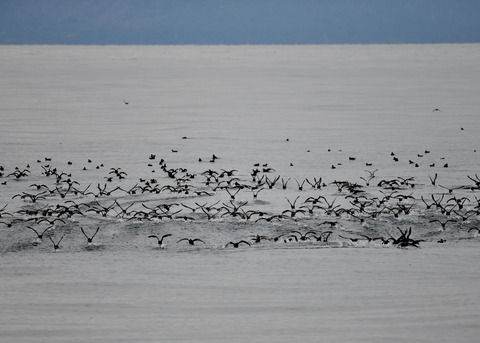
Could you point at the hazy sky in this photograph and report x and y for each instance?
(238, 21)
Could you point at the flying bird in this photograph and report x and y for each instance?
(89, 239)
(191, 241)
(39, 235)
(56, 246)
(160, 240)
(236, 244)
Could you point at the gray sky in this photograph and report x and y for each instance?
(238, 22)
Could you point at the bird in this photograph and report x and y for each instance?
(304, 237)
(236, 244)
(89, 239)
(300, 185)
(50, 221)
(191, 241)
(258, 238)
(351, 239)
(160, 240)
(292, 205)
(256, 191)
(324, 236)
(277, 238)
(39, 235)
(56, 246)
(331, 223)
(442, 223)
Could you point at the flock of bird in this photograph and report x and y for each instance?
(53, 204)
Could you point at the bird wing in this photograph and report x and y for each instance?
(31, 228)
(83, 232)
(48, 228)
(98, 228)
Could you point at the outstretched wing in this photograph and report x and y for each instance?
(83, 232)
(31, 228)
(98, 228)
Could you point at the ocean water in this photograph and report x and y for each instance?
(124, 138)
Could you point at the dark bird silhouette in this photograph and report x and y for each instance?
(258, 238)
(277, 238)
(191, 241)
(236, 244)
(300, 185)
(271, 183)
(256, 191)
(227, 172)
(442, 223)
(232, 195)
(40, 186)
(293, 213)
(160, 240)
(284, 183)
(5, 213)
(477, 181)
(369, 178)
(304, 237)
(50, 221)
(275, 216)
(39, 235)
(331, 223)
(323, 237)
(89, 239)
(351, 239)
(292, 205)
(56, 246)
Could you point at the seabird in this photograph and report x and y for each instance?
(160, 240)
(89, 239)
(56, 246)
(236, 244)
(191, 241)
(39, 235)
(442, 223)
